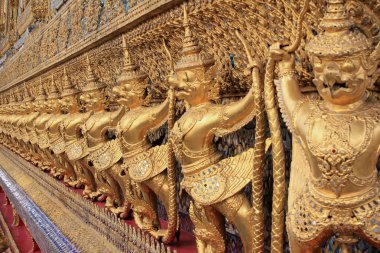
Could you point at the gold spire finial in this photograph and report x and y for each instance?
(53, 92)
(41, 93)
(335, 18)
(191, 52)
(130, 70)
(92, 82)
(68, 87)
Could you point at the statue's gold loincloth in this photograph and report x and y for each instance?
(58, 146)
(309, 218)
(219, 181)
(148, 164)
(106, 156)
(76, 149)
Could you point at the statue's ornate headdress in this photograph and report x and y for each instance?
(68, 87)
(338, 37)
(53, 92)
(11, 97)
(131, 72)
(27, 96)
(92, 82)
(19, 96)
(192, 57)
(41, 93)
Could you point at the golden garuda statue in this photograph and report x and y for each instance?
(59, 131)
(92, 138)
(144, 166)
(334, 187)
(215, 184)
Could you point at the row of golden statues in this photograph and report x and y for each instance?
(334, 186)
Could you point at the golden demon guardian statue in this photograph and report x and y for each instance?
(30, 134)
(215, 184)
(97, 137)
(19, 110)
(75, 145)
(66, 130)
(50, 128)
(146, 166)
(56, 144)
(38, 130)
(28, 113)
(336, 138)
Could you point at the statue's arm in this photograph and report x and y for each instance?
(242, 110)
(117, 115)
(289, 90)
(153, 117)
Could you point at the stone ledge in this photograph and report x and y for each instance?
(48, 236)
(89, 227)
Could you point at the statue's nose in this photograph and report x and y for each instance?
(116, 90)
(173, 81)
(332, 74)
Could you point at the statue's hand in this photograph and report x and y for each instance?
(285, 59)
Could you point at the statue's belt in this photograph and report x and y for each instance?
(308, 218)
(106, 155)
(58, 146)
(77, 149)
(148, 164)
(43, 141)
(213, 183)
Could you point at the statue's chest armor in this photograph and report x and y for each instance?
(127, 120)
(96, 123)
(192, 131)
(71, 124)
(336, 141)
(344, 135)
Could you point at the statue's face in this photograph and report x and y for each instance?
(189, 86)
(127, 94)
(340, 81)
(69, 103)
(52, 105)
(92, 99)
(40, 105)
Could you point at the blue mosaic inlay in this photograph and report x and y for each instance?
(46, 234)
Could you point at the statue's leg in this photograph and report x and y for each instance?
(151, 200)
(86, 177)
(238, 210)
(69, 176)
(209, 228)
(111, 188)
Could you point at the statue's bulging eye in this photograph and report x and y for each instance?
(348, 66)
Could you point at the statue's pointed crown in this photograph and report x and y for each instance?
(191, 52)
(68, 87)
(53, 92)
(92, 82)
(19, 95)
(27, 96)
(131, 71)
(41, 93)
(338, 38)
